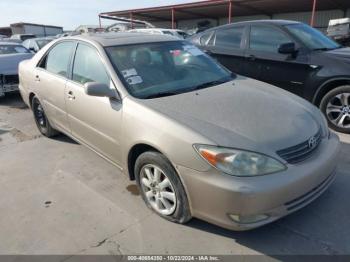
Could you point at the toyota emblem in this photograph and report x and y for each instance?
(312, 142)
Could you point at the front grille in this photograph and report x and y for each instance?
(10, 79)
(302, 151)
(309, 196)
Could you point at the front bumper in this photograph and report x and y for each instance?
(8, 83)
(7, 88)
(214, 196)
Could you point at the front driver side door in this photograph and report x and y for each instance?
(283, 70)
(94, 121)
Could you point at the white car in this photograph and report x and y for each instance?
(162, 31)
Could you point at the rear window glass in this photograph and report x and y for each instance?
(229, 38)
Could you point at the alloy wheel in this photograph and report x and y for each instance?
(158, 189)
(338, 110)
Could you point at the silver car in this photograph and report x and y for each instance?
(199, 140)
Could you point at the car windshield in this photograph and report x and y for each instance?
(312, 38)
(12, 49)
(168, 68)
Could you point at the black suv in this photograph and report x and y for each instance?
(290, 55)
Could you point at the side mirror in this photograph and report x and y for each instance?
(100, 90)
(32, 49)
(287, 48)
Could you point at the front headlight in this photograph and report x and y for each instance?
(239, 163)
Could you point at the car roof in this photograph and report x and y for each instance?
(123, 38)
(265, 21)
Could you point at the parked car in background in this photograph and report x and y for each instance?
(339, 30)
(290, 55)
(35, 44)
(10, 40)
(162, 31)
(199, 140)
(22, 37)
(11, 54)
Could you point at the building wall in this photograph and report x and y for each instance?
(35, 30)
(5, 31)
(38, 30)
(51, 31)
(321, 19)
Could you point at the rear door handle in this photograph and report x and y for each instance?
(71, 95)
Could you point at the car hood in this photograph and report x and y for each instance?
(340, 52)
(9, 63)
(244, 113)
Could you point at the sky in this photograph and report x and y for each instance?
(69, 13)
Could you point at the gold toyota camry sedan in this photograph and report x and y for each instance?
(199, 140)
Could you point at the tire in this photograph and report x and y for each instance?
(41, 120)
(335, 105)
(153, 161)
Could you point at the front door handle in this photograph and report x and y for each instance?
(71, 95)
(251, 57)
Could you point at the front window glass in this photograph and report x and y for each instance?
(13, 49)
(167, 68)
(266, 39)
(88, 66)
(312, 38)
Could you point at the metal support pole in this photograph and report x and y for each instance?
(312, 22)
(172, 18)
(99, 21)
(229, 12)
(131, 18)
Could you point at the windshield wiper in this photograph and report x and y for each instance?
(326, 48)
(160, 94)
(211, 83)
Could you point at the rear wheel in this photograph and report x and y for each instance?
(41, 120)
(161, 188)
(336, 107)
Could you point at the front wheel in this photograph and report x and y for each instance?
(336, 107)
(41, 120)
(161, 188)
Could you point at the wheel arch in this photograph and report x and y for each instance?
(328, 86)
(134, 152)
(31, 96)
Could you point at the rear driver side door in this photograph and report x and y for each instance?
(287, 71)
(227, 47)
